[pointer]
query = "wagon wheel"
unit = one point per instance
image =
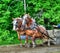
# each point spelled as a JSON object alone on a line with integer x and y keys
{"x": 54, "y": 27}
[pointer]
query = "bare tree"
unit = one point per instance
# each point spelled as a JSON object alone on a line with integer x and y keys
{"x": 25, "y": 6}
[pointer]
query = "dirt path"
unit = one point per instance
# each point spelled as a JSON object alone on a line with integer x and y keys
{"x": 17, "y": 49}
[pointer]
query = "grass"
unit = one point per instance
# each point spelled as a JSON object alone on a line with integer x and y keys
{"x": 16, "y": 41}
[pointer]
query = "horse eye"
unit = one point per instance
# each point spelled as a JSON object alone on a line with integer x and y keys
{"x": 16, "y": 22}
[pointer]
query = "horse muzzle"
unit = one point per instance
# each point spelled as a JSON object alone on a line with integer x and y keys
{"x": 15, "y": 29}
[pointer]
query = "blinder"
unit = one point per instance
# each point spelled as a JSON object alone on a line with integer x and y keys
{"x": 16, "y": 24}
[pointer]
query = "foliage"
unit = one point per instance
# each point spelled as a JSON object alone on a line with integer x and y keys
{"x": 38, "y": 9}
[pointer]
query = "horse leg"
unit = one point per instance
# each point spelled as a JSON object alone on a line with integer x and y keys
{"x": 26, "y": 41}
{"x": 49, "y": 42}
{"x": 33, "y": 41}
{"x": 48, "y": 39}
{"x": 20, "y": 43}
{"x": 19, "y": 38}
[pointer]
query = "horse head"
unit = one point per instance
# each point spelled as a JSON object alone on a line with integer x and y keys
{"x": 27, "y": 20}
{"x": 17, "y": 22}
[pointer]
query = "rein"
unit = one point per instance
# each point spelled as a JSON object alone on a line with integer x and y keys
{"x": 45, "y": 34}
{"x": 39, "y": 31}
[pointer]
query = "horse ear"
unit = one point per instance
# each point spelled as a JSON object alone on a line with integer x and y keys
{"x": 12, "y": 18}
{"x": 24, "y": 13}
{"x": 20, "y": 16}
{"x": 28, "y": 13}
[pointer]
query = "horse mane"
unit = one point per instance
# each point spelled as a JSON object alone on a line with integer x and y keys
{"x": 30, "y": 20}
{"x": 19, "y": 21}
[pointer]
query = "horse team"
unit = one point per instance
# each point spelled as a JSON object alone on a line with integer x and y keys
{"x": 27, "y": 26}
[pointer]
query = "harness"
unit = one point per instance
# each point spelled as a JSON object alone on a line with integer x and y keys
{"x": 34, "y": 26}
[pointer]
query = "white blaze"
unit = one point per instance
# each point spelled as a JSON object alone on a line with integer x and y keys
{"x": 24, "y": 17}
{"x": 14, "y": 25}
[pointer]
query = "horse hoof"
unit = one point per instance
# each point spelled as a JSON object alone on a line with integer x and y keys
{"x": 27, "y": 45}
{"x": 20, "y": 45}
{"x": 48, "y": 45}
{"x": 34, "y": 46}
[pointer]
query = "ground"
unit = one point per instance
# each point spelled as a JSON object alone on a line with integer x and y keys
{"x": 39, "y": 49}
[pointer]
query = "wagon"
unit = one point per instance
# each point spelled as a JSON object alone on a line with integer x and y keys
{"x": 56, "y": 33}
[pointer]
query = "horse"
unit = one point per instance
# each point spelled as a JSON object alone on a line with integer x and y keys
{"x": 29, "y": 23}
{"x": 17, "y": 25}
{"x": 17, "y": 22}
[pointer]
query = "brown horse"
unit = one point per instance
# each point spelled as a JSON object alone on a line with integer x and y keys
{"x": 41, "y": 33}
{"x": 28, "y": 22}
{"x": 17, "y": 22}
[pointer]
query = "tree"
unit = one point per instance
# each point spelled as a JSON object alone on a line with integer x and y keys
{"x": 38, "y": 9}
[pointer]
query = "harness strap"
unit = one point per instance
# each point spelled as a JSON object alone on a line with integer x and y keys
{"x": 46, "y": 34}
